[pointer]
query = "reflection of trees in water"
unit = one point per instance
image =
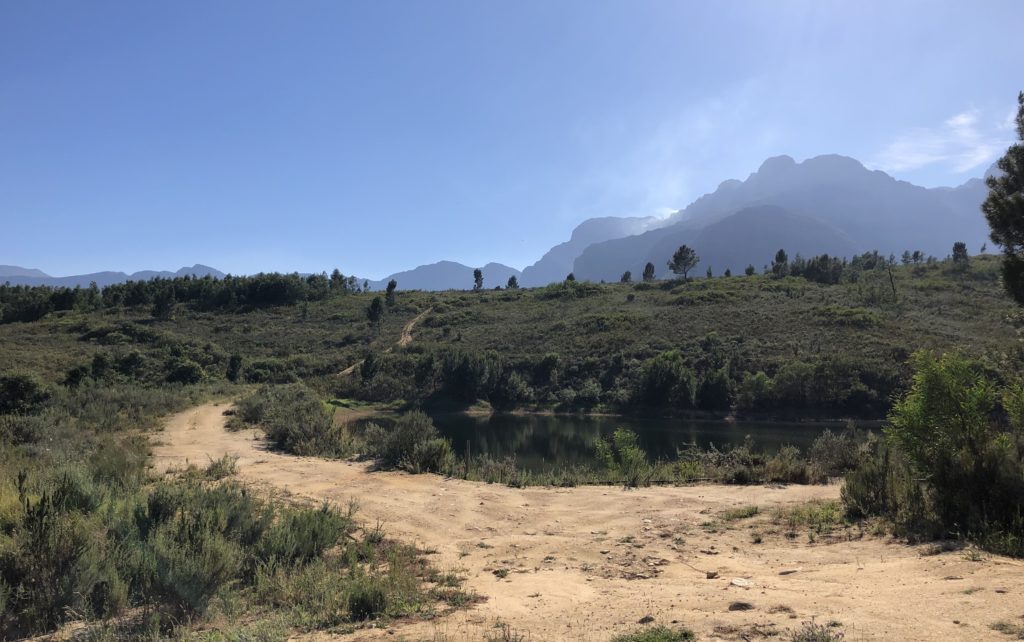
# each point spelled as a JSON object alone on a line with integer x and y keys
{"x": 539, "y": 441}
{"x": 528, "y": 437}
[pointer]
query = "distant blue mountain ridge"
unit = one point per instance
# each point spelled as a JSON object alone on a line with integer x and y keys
{"x": 826, "y": 204}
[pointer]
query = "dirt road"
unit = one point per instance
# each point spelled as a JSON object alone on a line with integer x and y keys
{"x": 588, "y": 563}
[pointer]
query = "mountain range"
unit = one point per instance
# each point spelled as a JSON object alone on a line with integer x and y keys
{"x": 24, "y": 276}
{"x": 826, "y": 204}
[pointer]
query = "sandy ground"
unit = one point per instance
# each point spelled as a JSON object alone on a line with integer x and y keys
{"x": 588, "y": 563}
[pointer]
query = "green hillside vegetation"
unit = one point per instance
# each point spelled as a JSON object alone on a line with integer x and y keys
{"x": 763, "y": 345}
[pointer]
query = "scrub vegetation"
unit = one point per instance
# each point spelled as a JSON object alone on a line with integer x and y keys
{"x": 88, "y": 533}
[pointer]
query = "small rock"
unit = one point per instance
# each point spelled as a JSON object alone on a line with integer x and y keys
{"x": 604, "y": 551}
{"x": 741, "y": 606}
{"x": 1000, "y": 590}
{"x": 789, "y": 571}
{"x": 741, "y": 582}
{"x": 712, "y": 575}
{"x": 647, "y": 619}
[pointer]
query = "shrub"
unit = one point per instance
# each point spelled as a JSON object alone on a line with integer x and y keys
{"x": 657, "y": 634}
{"x": 300, "y": 536}
{"x": 786, "y": 466}
{"x": 412, "y": 444}
{"x": 833, "y": 454}
{"x": 48, "y": 568}
{"x": 367, "y": 600}
{"x": 22, "y": 429}
{"x": 221, "y": 468}
{"x": 625, "y": 459}
{"x": 811, "y": 632}
{"x": 963, "y": 438}
{"x": 21, "y": 393}
{"x": 192, "y": 562}
{"x": 295, "y": 421}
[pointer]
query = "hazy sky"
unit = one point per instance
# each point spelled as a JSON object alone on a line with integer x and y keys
{"x": 379, "y": 135}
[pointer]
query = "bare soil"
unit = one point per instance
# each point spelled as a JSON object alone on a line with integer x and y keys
{"x": 588, "y": 563}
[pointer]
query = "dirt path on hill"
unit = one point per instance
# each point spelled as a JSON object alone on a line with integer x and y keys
{"x": 403, "y": 340}
{"x": 407, "y": 329}
{"x": 587, "y": 563}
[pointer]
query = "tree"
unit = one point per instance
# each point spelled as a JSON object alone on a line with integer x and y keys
{"x": 960, "y": 253}
{"x": 375, "y": 312}
{"x": 917, "y": 257}
{"x": 1004, "y": 210}
{"x": 727, "y": 272}
{"x": 570, "y": 277}
{"x": 478, "y": 279}
{"x": 649, "y": 272}
{"x": 750, "y": 270}
{"x": 906, "y": 258}
{"x": 710, "y": 274}
{"x": 163, "y": 306}
{"x": 684, "y": 260}
{"x": 780, "y": 265}
{"x": 234, "y": 367}
{"x": 627, "y": 277}
{"x": 338, "y": 282}
{"x": 513, "y": 283}
{"x": 390, "y": 293}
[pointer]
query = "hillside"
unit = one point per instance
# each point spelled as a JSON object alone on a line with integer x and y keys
{"x": 569, "y": 346}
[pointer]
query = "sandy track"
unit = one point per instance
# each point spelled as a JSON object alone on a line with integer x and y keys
{"x": 585, "y": 563}
{"x": 407, "y": 329}
{"x": 403, "y": 340}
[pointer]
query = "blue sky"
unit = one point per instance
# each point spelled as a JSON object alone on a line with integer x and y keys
{"x": 376, "y": 136}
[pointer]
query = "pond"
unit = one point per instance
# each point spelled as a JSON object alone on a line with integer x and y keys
{"x": 539, "y": 442}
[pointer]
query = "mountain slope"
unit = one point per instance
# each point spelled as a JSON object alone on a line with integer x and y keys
{"x": 447, "y": 275}
{"x": 869, "y": 208}
{"x": 14, "y": 270}
{"x": 558, "y": 261}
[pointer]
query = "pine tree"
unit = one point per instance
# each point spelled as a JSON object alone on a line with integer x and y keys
{"x": 684, "y": 260}
{"x": 649, "y": 272}
{"x": 1004, "y": 210}
{"x": 780, "y": 266}
{"x": 390, "y": 293}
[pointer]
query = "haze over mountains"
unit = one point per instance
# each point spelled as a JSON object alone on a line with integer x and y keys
{"x": 827, "y": 204}
{"x": 25, "y": 276}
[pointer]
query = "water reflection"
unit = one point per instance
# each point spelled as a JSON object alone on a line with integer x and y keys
{"x": 539, "y": 441}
